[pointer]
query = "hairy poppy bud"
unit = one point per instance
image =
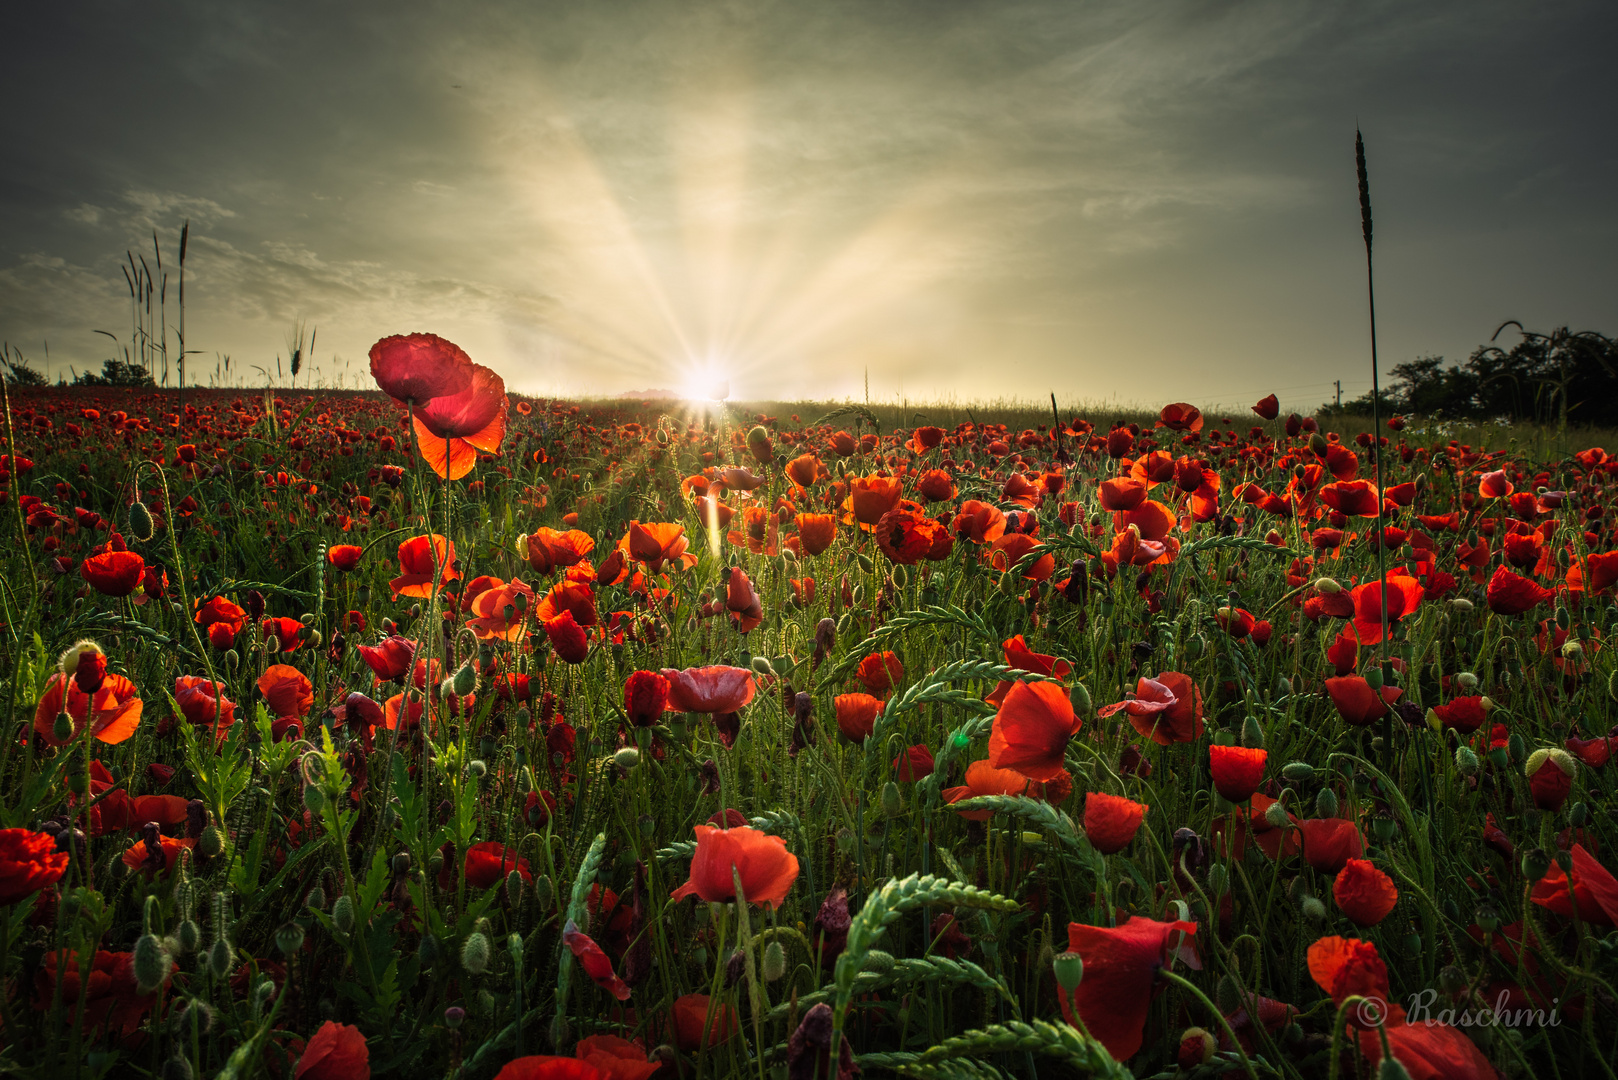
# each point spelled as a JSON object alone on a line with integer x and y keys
{"x": 477, "y": 768}
{"x": 62, "y": 727}
{"x": 1297, "y": 772}
{"x": 316, "y": 899}
{"x": 892, "y": 802}
{"x": 141, "y": 526}
{"x": 1517, "y": 746}
{"x": 289, "y": 938}
{"x": 1578, "y": 814}
{"x": 758, "y": 444}
{"x": 1276, "y": 815}
{"x": 900, "y": 575}
{"x": 1218, "y": 879}
{"x": 1461, "y": 605}
{"x": 475, "y": 953}
{"x": 427, "y": 951}
{"x": 1069, "y": 969}
{"x": 314, "y": 800}
{"x": 342, "y": 914}
{"x": 514, "y": 887}
{"x": 1079, "y": 696}
{"x": 761, "y": 665}
{"x": 151, "y": 963}
{"x": 221, "y": 958}
{"x": 178, "y": 1068}
{"x": 544, "y": 892}
{"x": 1466, "y": 681}
{"x": 211, "y": 844}
{"x": 1392, "y": 1069}
{"x": 1327, "y": 586}
{"x": 233, "y": 659}
{"x": 1252, "y": 734}
{"x": 775, "y": 962}
{"x": 626, "y": 758}
{"x": 1326, "y": 803}
{"x": 188, "y": 936}
{"x": 1313, "y": 909}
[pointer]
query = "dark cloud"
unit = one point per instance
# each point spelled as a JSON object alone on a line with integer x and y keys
{"x": 978, "y": 199}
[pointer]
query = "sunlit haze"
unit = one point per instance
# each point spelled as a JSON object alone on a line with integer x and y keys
{"x": 914, "y": 200}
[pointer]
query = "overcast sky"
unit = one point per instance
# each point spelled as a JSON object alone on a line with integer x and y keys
{"x": 1142, "y": 201}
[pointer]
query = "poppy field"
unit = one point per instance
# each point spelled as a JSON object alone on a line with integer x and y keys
{"x": 435, "y": 731}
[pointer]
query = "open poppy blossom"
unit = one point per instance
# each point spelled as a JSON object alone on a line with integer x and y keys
{"x": 417, "y": 557}
{"x": 501, "y": 612}
{"x": 816, "y": 532}
{"x": 870, "y": 497}
{"x": 1180, "y": 417}
{"x": 413, "y": 369}
{"x": 1120, "y": 978}
{"x": 766, "y": 868}
{"x": 549, "y": 550}
{"x": 286, "y": 690}
{"x": 1357, "y": 703}
{"x": 1403, "y": 595}
{"x": 983, "y": 778}
{"x": 29, "y": 862}
{"x": 713, "y": 689}
{"x": 1328, "y": 843}
{"x": 856, "y": 715}
{"x": 1237, "y": 771}
{"x": 880, "y": 672}
{"x": 546, "y": 1067}
{"x": 656, "y": 543}
{"x": 1594, "y": 890}
{"x": 1032, "y": 729}
{"x": 334, "y": 1052}
{"x": 1167, "y": 709}
{"x": 619, "y": 1058}
{"x": 112, "y": 711}
{"x": 1513, "y": 594}
{"x": 114, "y": 573}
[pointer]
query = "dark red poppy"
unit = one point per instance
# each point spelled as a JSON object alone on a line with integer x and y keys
{"x": 568, "y": 638}
{"x": 489, "y": 862}
{"x": 1594, "y": 890}
{"x": 646, "y": 695}
{"x": 286, "y": 690}
{"x": 880, "y": 672}
{"x": 1328, "y": 843}
{"x": 1513, "y": 594}
{"x": 1268, "y": 407}
{"x": 1403, "y": 595}
{"x": 390, "y": 658}
{"x": 1180, "y": 417}
{"x": 1364, "y": 893}
{"x": 714, "y": 689}
{"x": 693, "y": 1030}
{"x": 913, "y": 764}
{"x": 1111, "y": 821}
{"x": 1353, "y": 498}
{"x": 1167, "y": 709}
{"x": 1464, "y": 714}
{"x": 416, "y": 368}
{"x": 1120, "y": 978}
{"x": 546, "y": 1067}
{"x": 1357, "y": 703}
{"x": 1237, "y": 770}
{"x": 334, "y": 1052}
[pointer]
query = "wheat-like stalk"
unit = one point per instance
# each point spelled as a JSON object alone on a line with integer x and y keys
{"x": 1069, "y": 1044}
{"x": 923, "y": 969}
{"x": 953, "y": 1069}
{"x": 954, "y": 743}
{"x": 576, "y": 909}
{"x": 932, "y": 615}
{"x": 1250, "y": 544}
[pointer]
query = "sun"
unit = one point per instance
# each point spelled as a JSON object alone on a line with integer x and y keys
{"x": 706, "y": 383}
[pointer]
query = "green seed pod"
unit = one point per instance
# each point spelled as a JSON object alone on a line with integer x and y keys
{"x": 141, "y": 525}
{"x": 289, "y": 938}
{"x": 1079, "y": 696}
{"x": 1252, "y": 734}
{"x": 221, "y": 958}
{"x": 1326, "y": 803}
{"x": 1535, "y": 864}
{"x": 1195, "y": 646}
{"x": 1383, "y": 828}
{"x": 1224, "y": 737}
{"x": 1069, "y": 969}
{"x": 1451, "y": 979}
{"x": 151, "y": 963}
{"x": 775, "y": 962}
{"x": 1373, "y": 677}
{"x": 211, "y": 844}
{"x": 892, "y": 802}
{"x": 475, "y": 953}
{"x": 342, "y": 914}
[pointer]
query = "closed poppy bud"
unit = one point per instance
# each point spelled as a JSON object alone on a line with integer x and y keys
{"x": 316, "y": 900}
{"x": 1550, "y": 777}
{"x": 475, "y": 953}
{"x": 151, "y": 963}
{"x": 1326, "y": 803}
{"x": 1218, "y": 879}
{"x": 454, "y": 1017}
{"x": 1069, "y": 969}
{"x": 141, "y": 526}
{"x": 342, "y": 914}
{"x": 1313, "y": 909}
{"x": 1252, "y": 733}
{"x": 465, "y": 681}
{"x": 1392, "y": 1068}
{"x": 775, "y": 962}
{"x": 188, "y": 935}
{"x": 626, "y": 758}
{"x": 1578, "y": 814}
{"x": 62, "y": 727}
{"x": 1079, "y": 695}
{"x": 892, "y": 802}
{"x": 1197, "y": 1048}
{"x": 1298, "y": 772}
{"x": 221, "y": 958}
{"x": 1276, "y": 815}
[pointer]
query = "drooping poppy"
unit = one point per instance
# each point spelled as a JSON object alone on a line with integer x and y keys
{"x": 646, "y": 695}
{"x": 1357, "y": 703}
{"x": 417, "y": 556}
{"x": 112, "y": 711}
{"x": 856, "y": 715}
{"x": 1111, "y": 821}
{"x": 763, "y": 863}
{"x": 1120, "y": 978}
{"x": 1237, "y": 770}
{"x": 596, "y": 964}
{"x": 1031, "y": 730}
{"x": 569, "y": 640}
{"x": 713, "y": 689}
{"x": 1364, "y": 893}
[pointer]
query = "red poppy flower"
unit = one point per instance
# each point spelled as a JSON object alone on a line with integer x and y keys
{"x": 913, "y": 764}
{"x": 1328, "y": 843}
{"x": 1180, "y": 417}
{"x": 925, "y": 438}
{"x": 568, "y": 638}
{"x": 1032, "y": 729}
{"x": 489, "y": 862}
{"x": 334, "y": 1052}
{"x": 714, "y": 689}
{"x": 1237, "y": 770}
{"x": 1120, "y": 978}
{"x": 545, "y": 1067}
{"x": 870, "y": 497}
{"x": 1364, "y": 893}
{"x": 1268, "y": 408}
{"x": 1152, "y": 519}
{"x": 574, "y": 597}
{"x": 742, "y": 601}
{"x": 140, "y": 857}
{"x": 1550, "y": 777}
{"x": 1464, "y": 714}
{"x": 766, "y": 868}
{"x": 618, "y": 1058}
{"x": 1357, "y": 703}
{"x": 114, "y": 573}
{"x": 1018, "y": 655}
{"x": 856, "y": 715}
{"x": 816, "y": 532}
{"x": 1494, "y": 485}
{"x": 390, "y": 658}
{"x": 1594, "y": 890}
{"x": 451, "y": 429}
{"x": 29, "y": 862}
{"x": 112, "y": 711}
{"x": 880, "y": 672}
{"x": 1122, "y": 493}
{"x": 983, "y": 778}
{"x": 654, "y": 543}
{"x": 112, "y": 999}
{"x": 287, "y": 691}
{"x": 906, "y": 535}
{"x": 692, "y": 1029}
{"x": 416, "y": 558}
{"x": 416, "y": 368}
{"x": 549, "y": 550}
{"x": 595, "y": 963}
{"x": 646, "y": 695}
{"x": 1513, "y": 594}
{"x": 344, "y": 557}
{"x": 1167, "y": 709}
{"x": 1353, "y": 498}
{"x": 284, "y": 631}
{"x": 1346, "y": 967}
{"x": 1111, "y": 821}
{"x": 221, "y": 620}
{"x": 501, "y": 612}
{"x": 936, "y": 485}
{"x": 1404, "y": 594}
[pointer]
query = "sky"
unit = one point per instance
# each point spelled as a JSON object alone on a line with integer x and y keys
{"x": 921, "y": 201}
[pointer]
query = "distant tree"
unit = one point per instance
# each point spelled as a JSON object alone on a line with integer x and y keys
{"x": 116, "y": 373}
{"x": 18, "y": 371}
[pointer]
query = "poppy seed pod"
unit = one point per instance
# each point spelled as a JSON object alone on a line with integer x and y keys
{"x": 289, "y": 938}
{"x": 475, "y": 953}
{"x": 1535, "y": 864}
{"x": 1069, "y": 969}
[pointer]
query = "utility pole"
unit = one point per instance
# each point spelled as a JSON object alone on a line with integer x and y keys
{"x": 1339, "y": 393}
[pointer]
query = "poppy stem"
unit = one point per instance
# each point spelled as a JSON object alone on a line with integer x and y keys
{"x": 1186, "y": 984}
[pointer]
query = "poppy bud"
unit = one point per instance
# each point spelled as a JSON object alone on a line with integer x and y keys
{"x": 221, "y": 958}
{"x": 178, "y": 1068}
{"x": 289, "y": 938}
{"x": 1572, "y": 649}
{"x": 892, "y": 802}
{"x": 758, "y": 443}
{"x": 1326, "y": 803}
{"x": 1578, "y": 814}
{"x": 1318, "y": 444}
{"x": 1218, "y": 879}
{"x": 1227, "y": 995}
{"x": 1197, "y": 1048}
{"x": 1069, "y": 968}
{"x": 211, "y": 844}
{"x": 272, "y": 645}
{"x": 1517, "y": 747}
{"x": 316, "y": 899}
{"x": 427, "y": 952}
{"x": 233, "y": 660}
{"x": 188, "y": 936}
{"x": 1466, "y": 681}
{"x": 1276, "y": 815}
{"x": 1252, "y": 734}
{"x": 514, "y": 888}
{"x": 151, "y": 963}
{"x": 313, "y": 637}
{"x": 627, "y": 758}
{"x": 901, "y": 576}
{"x": 1461, "y": 605}
{"x": 314, "y": 800}
{"x": 1392, "y": 1069}
{"x": 1283, "y": 686}
{"x": 544, "y": 892}
{"x": 141, "y": 526}
{"x": 62, "y": 727}
{"x": 775, "y": 962}
{"x": 342, "y": 914}
{"x": 761, "y": 665}
{"x": 1535, "y": 864}
{"x": 475, "y": 953}
{"x": 1313, "y": 909}
{"x": 1563, "y": 619}
{"x": 1079, "y": 696}
{"x": 477, "y": 768}
{"x": 1327, "y": 586}
{"x": 1297, "y": 772}
{"x": 454, "y": 1017}
{"x": 865, "y": 562}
